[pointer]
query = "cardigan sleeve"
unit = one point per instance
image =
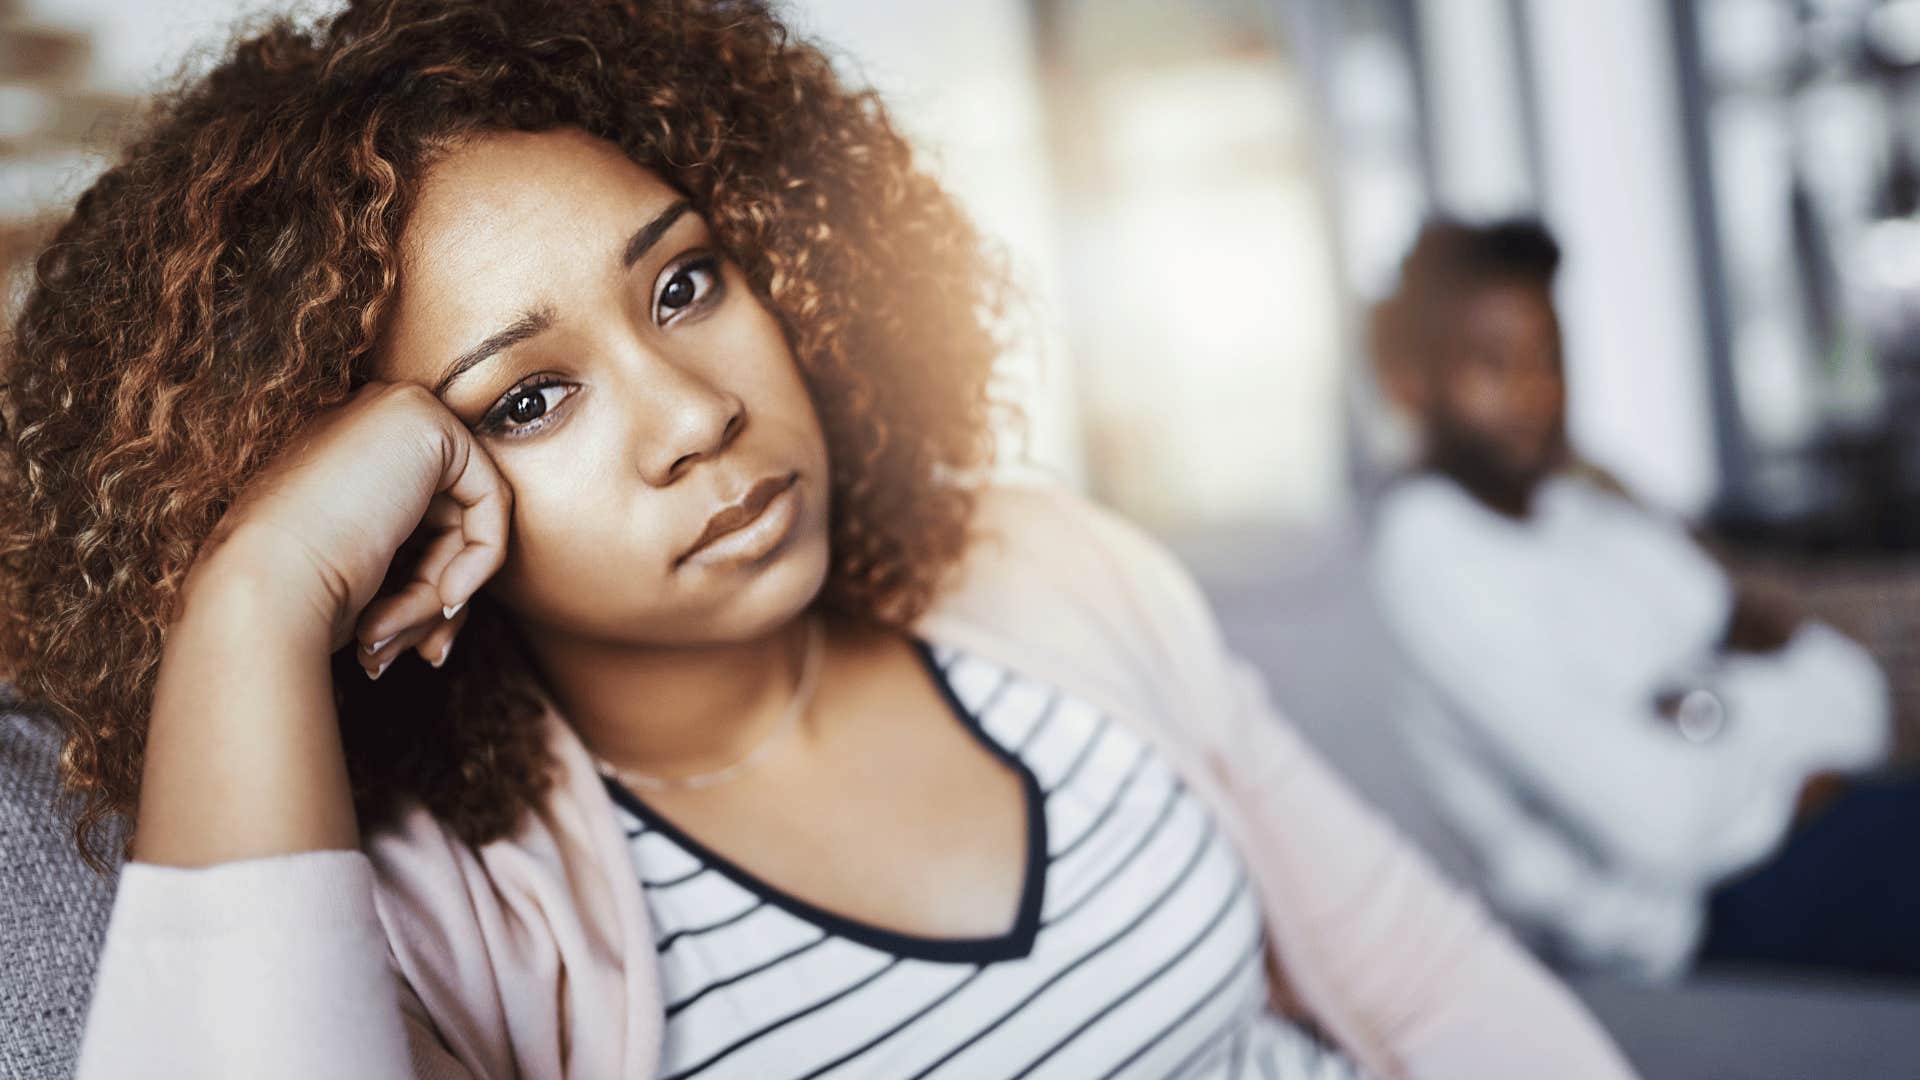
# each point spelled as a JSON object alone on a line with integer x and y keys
{"x": 431, "y": 1058}
{"x": 272, "y": 966}
{"x": 1401, "y": 964}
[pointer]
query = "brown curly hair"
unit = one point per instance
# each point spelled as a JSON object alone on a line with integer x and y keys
{"x": 226, "y": 278}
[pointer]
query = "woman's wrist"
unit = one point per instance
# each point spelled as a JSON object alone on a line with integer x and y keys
{"x": 251, "y": 587}
{"x": 243, "y": 752}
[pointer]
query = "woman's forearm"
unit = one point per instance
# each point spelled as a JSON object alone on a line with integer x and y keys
{"x": 243, "y": 754}
{"x": 219, "y": 961}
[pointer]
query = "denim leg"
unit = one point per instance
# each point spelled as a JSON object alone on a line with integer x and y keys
{"x": 1843, "y": 891}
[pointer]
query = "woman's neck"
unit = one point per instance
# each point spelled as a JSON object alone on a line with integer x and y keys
{"x": 671, "y": 710}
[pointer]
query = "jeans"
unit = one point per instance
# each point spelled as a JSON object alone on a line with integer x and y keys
{"x": 1843, "y": 892}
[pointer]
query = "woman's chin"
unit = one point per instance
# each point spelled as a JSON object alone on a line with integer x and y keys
{"x": 774, "y": 594}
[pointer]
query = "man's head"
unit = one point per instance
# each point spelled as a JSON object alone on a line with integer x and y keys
{"x": 1469, "y": 346}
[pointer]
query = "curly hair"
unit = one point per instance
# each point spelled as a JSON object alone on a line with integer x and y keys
{"x": 227, "y": 277}
{"x": 1449, "y": 260}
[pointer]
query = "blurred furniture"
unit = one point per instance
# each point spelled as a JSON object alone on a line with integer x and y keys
{"x": 1762, "y": 1027}
{"x": 53, "y": 909}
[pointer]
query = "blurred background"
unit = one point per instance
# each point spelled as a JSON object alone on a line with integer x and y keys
{"x": 1201, "y": 199}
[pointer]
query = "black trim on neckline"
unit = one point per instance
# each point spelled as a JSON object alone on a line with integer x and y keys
{"x": 1015, "y": 943}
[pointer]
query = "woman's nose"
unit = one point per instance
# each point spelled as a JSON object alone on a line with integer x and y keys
{"x": 692, "y": 419}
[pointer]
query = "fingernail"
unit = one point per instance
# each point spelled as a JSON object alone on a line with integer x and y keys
{"x": 444, "y": 650}
{"x": 450, "y": 612}
{"x": 379, "y": 671}
{"x": 378, "y": 645}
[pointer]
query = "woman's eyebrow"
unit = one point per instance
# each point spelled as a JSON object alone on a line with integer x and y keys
{"x": 649, "y": 234}
{"x": 527, "y": 325}
{"x": 533, "y": 322}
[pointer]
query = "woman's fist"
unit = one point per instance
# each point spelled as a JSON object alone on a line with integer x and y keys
{"x": 321, "y": 523}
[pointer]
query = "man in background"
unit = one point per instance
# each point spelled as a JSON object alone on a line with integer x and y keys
{"x": 1624, "y": 738}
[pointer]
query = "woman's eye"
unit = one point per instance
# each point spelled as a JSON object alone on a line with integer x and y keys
{"x": 522, "y": 410}
{"x": 686, "y": 286}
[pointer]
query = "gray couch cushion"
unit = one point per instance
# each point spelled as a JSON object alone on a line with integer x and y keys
{"x": 53, "y": 909}
{"x": 1763, "y": 1026}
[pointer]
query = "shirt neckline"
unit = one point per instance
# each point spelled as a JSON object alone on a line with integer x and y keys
{"x": 1017, "y": 941}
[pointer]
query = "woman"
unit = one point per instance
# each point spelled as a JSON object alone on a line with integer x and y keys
{"x": 617, "y": 363}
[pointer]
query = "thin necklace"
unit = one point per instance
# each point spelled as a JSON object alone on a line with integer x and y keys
{"x": 802, "y": 697}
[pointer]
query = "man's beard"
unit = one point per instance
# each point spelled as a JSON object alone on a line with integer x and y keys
{"x": 1474, "y": 464}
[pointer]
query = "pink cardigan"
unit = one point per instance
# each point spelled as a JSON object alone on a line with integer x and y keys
{"x": 532, "y": 956}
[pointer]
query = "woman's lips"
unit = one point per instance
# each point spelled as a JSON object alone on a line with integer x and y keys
{"x": 750, "y": 527}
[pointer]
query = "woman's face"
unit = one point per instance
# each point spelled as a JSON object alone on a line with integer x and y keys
{"x": 626, "y": 382}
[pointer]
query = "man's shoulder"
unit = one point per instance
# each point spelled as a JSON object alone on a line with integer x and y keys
{"x": 1419, "y": 507}
{"x": 1430, "y": 533}
{"x": 1421, "y": 492}
{"x": 1427, "y": 504}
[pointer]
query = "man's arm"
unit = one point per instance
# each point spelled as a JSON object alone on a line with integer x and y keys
{"x": 1582, "y": 733}
{"x": 1536, "y": 878}
{"x": 1821, "y": 697}
{"x": 1765, "y": 613}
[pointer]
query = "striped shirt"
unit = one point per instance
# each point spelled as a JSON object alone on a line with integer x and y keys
{"x": 1136, "y": 951}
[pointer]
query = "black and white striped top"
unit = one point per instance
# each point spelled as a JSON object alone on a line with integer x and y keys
{"x": 1136, "y": 952}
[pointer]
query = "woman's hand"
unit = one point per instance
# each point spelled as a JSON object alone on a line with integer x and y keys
{"x": 243, "y": 753}
{"x": 387, "y": 470}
